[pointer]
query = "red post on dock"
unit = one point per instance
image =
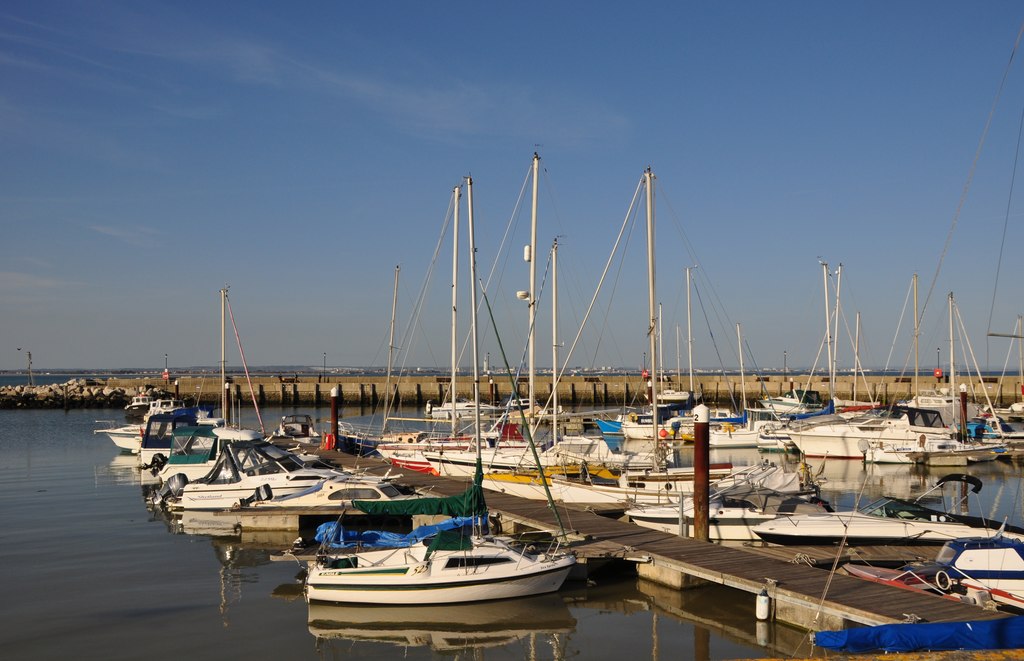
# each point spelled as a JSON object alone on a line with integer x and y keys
{"x": 701, "y": 475}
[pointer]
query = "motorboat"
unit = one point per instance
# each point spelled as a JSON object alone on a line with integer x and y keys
{"x": 156, "y": 439}
{"x": 296, "y": 428}
{"x": 887, "y": 520}
{"x": 129, "y": 437}
{"x": 195, "y": 449}
{"x": 333, "y": 492}
{"x": 242, "y": 468}
{"x": 137, "y": 408}
{"x": 976, "y": 570}
{"x": 455, "y": 561}
{"x": 732, "y": 513}
{"x": 458, "y": 409}
{"x": 836, "y": 437}
{"x": 982, "y": 568}
{"x": 794, "y": 401}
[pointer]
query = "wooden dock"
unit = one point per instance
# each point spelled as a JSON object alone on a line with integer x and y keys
{"x": 803, "y": 592}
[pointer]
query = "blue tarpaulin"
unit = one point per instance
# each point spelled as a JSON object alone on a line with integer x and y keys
{"x": 1001, "y": 634}
{"x": 338, "y": 537}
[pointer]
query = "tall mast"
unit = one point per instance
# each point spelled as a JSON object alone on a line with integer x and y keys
{"x": 828, "y": 323}
{"x": 689, "y": 332}
{"x": 533, "y": 288}
{"x": 856, "y": 357}
{"x": 472, "y": 310}
{"x": 554, "y": 341}
{"x": 223, "y": 366}
{"x": 917, "y": 334}
{"x": 391, "y": 350}
{"x": 743, "y": 380}
{"x": 835, "y": 334}
{"x": 456, "y": 195}
{"x": 653, "y": 324}
{"x": 952, "y": 357}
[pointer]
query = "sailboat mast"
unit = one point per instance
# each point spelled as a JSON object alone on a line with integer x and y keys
{"x": 856, "y": 356}
{"x": 531, "y": 397}
{"x": 743, "y": 379}
{"x": 917, "y": 337}
{"x": 689, "y": 331}
{"x": 952, "y": 356}
{"x": 473, "y": 321}
{"x": 223, "y": 352}
{"x": 456, "y": 195}
{"x": 828, "y": 322}
{"x": 835, "y": 334}
{"x": 554, "y": 341}
{"x": 652, "y": 327}
{"x": 391, "y": 350}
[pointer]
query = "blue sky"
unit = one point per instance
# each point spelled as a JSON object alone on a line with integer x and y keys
{"x": 154, "y": 152}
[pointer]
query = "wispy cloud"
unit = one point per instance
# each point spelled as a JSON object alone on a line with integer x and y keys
{"x": 136, "y": 236}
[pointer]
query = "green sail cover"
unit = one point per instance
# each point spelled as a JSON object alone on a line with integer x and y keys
{"x": 468, "y": 503}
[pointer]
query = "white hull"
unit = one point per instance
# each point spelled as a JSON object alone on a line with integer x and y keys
{"x": 732, "y": 524}
{"x": 406, "y": 576}
{"x": 736, "y": 438}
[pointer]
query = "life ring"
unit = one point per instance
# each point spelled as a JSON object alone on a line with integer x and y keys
{"x": 632, "y": 417}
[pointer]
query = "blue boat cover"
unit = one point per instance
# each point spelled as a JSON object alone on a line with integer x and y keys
{"x": 1006, "y": 633}
{"x": 338, "y": 537}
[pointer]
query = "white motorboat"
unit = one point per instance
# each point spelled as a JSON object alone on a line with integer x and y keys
{"x": 474, "y": 568}
{"x": 888, "y": 520}
{"x": 297, "y": 428}
{"x": 195, "y": 449}
{"x": 836, "y": 437}
{"x": 732, "y": 513}
{"x": 333, "y": 493}
{"x": 242, "y": 468}
{"x": 794, "y": 401}
{"x": 978, "y": 570}
{"x": 136, "y": 410}
{"x": 459, "y": 409}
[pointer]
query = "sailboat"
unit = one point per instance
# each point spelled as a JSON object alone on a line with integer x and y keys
{"x": 456, "y": 563}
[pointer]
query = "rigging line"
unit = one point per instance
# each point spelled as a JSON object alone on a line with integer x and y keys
{"x": 522, "y": 416}
{"x": 1006, "y": 222}
{"x": 241, "y": 352}
{"x": 700, "y": 301}
{"x": 971, "y": 171}
{"x": 899, "y": 324}
{"x": 604, "y": 274}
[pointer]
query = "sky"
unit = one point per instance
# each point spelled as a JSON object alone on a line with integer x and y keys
{"x": 154, "y": 153}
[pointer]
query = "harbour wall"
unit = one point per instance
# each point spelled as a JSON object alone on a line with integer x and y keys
{"x": 368, "y": 391}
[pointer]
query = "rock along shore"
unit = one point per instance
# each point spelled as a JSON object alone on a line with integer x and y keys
{"x": 73, "y": 394}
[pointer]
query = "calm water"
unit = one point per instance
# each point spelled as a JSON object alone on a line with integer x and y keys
{"x": 90, "y": 572}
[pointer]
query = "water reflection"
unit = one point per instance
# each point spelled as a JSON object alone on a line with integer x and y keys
{"x": 446, "y": 628}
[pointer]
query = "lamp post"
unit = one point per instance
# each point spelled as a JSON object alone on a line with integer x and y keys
{"x": 324, "y": 372}
{"x": 29, "y": 355}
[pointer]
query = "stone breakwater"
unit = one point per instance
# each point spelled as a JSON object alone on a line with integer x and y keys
{"x": 73, "y": 394}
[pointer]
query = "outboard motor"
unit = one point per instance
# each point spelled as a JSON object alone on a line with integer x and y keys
{"x": 155, "y": 466}
{"x": 171, "y": 488}
{"x": 262, "y": 492}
